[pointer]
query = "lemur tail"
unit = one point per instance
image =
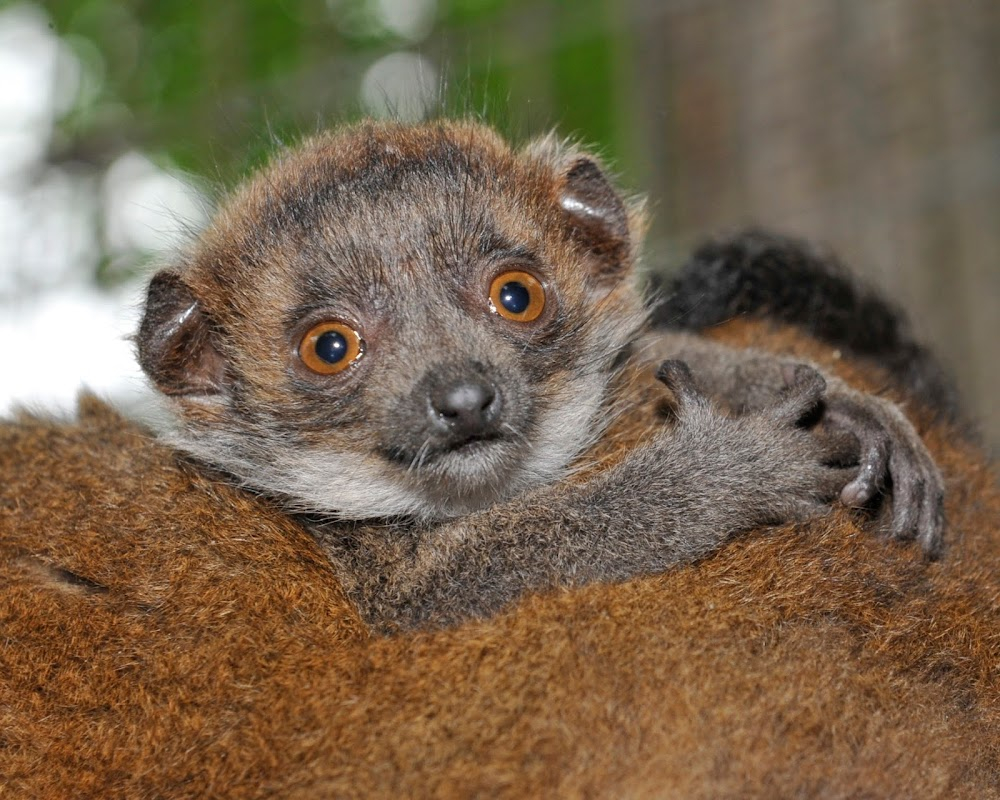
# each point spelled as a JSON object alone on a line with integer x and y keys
{"x": 765, "y": 275}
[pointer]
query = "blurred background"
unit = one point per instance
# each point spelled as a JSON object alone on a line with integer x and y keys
{"x": 870, "y": 125}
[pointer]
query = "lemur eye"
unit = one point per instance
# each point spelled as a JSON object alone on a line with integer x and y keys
{"x": 517, "y": 295}
{"x": 330, "y": 347}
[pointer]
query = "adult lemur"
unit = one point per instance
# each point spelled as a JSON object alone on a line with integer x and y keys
{"x": 427, "y": 345}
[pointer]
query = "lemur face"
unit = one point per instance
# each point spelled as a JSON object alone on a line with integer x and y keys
{"x": 399, "y": 321}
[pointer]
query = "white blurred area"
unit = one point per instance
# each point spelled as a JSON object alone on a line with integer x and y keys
{"x": 400, "y": 84}
{"x": 58, "y": 332}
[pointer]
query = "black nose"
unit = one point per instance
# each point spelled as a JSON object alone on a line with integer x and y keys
{"x": 467, "y": 406}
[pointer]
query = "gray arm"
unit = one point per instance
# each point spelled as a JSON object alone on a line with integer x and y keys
{"x": 672, "y": 500}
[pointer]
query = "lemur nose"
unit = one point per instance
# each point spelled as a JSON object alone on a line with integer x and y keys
{"x": 467, "y": 406}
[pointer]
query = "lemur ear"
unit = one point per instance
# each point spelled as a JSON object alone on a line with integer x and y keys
{"x": 598, "y": 218}
{"x": 175, "y": 340}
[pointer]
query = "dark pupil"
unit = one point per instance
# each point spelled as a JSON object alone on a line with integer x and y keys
{"x": 514, "y": 297}
{"x": 331, "y": 347}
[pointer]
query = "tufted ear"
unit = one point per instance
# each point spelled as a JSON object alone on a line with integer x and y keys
{"x": 598, "y": 218}
{"x": 176, "y": 341}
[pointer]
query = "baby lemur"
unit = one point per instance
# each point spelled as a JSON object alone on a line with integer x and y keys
{"x": 430, "y": 347}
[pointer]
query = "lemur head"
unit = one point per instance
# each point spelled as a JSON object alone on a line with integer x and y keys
{"x": 400, "y": 320}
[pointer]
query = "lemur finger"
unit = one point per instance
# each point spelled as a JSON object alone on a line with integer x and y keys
{"x": 872, "y": 469}
{"x": 677, "y": 377}
{"x": 931, "y": 529}
{"x": 924, "y": 520}
{"x": 804, "y": 390}
{"x": 907, "y": 500}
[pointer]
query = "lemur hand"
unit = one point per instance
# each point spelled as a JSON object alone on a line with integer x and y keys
{"x": 892, "y": 461}
{"x": 766, "y": 468}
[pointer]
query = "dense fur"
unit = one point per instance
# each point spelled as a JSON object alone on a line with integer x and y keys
{"x": 450, "y": 465}
{"x": 165, "y": 635}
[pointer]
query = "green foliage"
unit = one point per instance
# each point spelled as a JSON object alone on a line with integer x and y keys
{"x": 213, "y": 85}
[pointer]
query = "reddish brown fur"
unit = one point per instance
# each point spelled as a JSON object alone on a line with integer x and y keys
{"x": 205, "y": 650}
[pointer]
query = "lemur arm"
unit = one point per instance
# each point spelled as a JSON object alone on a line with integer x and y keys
{"x": 673, "y": 500}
